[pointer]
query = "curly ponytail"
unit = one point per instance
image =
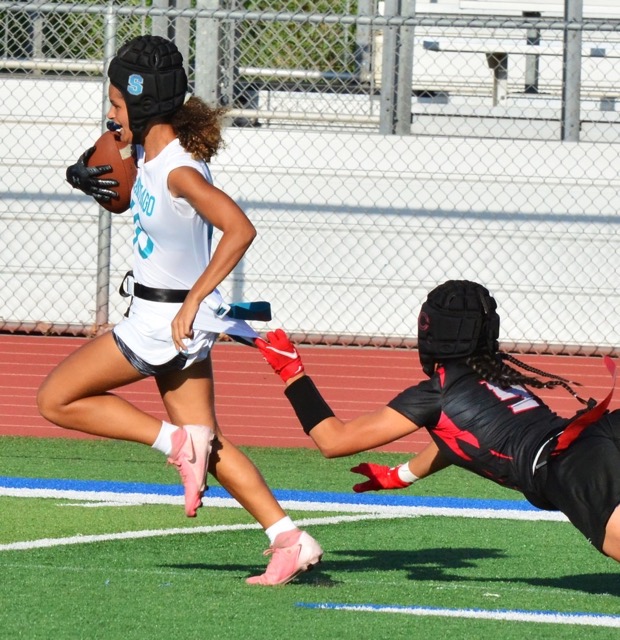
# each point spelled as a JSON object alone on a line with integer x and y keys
{"x": 199, "y": 128}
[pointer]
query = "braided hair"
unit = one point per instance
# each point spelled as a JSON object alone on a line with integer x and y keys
{"x": 459, "y": 322}
{"x": 492, "y": 367}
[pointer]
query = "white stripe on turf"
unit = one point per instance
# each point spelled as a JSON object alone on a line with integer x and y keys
{"x": 104, "y": 498}
{"x": 156, "y": 533}
{"x": 552, "y": 617}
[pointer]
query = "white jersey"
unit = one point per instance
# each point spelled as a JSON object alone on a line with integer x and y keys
{"x": 172, "y": 242}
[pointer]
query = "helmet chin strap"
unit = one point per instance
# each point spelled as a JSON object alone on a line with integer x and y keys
{"x": 137, "y": 134}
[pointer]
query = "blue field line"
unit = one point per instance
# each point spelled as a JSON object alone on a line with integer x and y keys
{"x": 390, "y": 500}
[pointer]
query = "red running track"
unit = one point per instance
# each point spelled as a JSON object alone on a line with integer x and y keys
{"x": 251, "y": 406}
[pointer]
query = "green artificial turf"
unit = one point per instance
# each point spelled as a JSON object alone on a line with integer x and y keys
{"x": 303, "y": 469}
{"x": 192, "y": 585}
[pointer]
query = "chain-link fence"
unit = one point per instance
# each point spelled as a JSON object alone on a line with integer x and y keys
{"x": 379, "y": 148}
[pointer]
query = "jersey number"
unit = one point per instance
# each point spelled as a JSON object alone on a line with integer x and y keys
{"x": 524, "y": 401}
{"x": 144, "y": 242}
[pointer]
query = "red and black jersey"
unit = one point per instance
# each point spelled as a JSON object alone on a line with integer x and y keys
{"x": 491, "y": 431}
{"x": 497, "y": 433}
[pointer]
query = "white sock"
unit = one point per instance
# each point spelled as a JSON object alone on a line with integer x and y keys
{"x": 163, "y": 442}
{"x": 285, "y": 524}
{"x": 405, "y": 474}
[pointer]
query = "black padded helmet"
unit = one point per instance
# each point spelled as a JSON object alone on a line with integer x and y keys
{"x": 458, "y": 319}
{"x": 148, "y": 71}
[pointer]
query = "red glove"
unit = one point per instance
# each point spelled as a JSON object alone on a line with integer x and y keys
{"x": 379, "y": 477}
{"x": 281, "y": 354}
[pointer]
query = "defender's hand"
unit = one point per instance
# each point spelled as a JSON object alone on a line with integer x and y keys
{"x": 87, "y": 178}
{"x": 281, "y": 354}
{"x": 379, "y": 477}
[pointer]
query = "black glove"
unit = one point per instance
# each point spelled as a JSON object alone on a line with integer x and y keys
{"x": 87, "y": 179}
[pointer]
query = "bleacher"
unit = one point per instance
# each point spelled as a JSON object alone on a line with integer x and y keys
{"x": 597, "y": 9}
{"x": 467, "y": 78}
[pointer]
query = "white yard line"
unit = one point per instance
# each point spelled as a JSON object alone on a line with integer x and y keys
{"x": 550, "y": 617}
{"x": 158, "y": 533}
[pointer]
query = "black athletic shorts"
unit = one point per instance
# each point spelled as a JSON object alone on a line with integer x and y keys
{"x": 584, "y": 481}
{"x": 146, "y": 369}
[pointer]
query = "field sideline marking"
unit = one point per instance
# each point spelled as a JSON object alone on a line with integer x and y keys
{"x": 127, "y": 493}
{"x": 366, "y": 507}
{"x": 550, "y": 617}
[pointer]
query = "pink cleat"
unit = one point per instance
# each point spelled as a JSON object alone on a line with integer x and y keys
{"x": 191, "y": 446}
{"x": 293, "y": 552}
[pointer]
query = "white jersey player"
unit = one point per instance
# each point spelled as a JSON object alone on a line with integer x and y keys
{"x": 176, "y": 313}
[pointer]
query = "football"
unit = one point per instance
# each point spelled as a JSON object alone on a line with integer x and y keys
{"x": 110, "y": 150}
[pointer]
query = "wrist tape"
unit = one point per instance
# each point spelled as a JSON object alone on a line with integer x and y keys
{"x": 405, "y": 475}
{"x": 308, "y": 403}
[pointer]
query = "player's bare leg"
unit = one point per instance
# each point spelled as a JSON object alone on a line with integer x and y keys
{"x": 76, "y": 394}
{"x": 189, "y": 397}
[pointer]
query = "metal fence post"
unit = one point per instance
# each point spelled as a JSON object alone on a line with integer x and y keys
{"x": 571, "y": 81}
{"x": 38, "y": 27}
{"x": 207, "y": 54}
{"x": 182, "y": 32}
{"x": 104, "y": 238}
{"x": 532, "y": 61}
{"x": 160, "y": 22}
{"x": 363, "y": 42}
{"x": 405, "y": 71}
{"x": 177, "y": 28}
{"x": 387, "y": 118}
{"x": 397, "y": 71}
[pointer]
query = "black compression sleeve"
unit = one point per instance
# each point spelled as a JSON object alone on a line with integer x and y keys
{"x": 308, "y": 403}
